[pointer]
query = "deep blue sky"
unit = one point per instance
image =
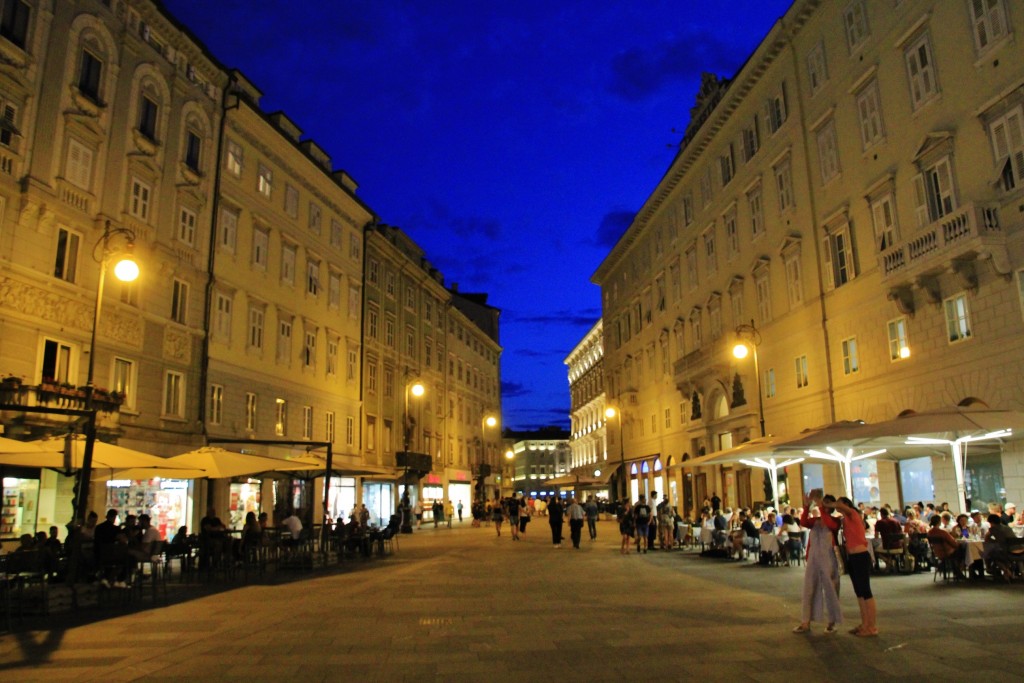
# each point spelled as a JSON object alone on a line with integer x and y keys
{"x": 513, "y": 141}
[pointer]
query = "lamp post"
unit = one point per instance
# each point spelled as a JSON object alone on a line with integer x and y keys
{"x": 487, "y": 421}
{"x": 416, "y": 389}
{"x": 609, "y": 413}
{"x": 749, "y": 339}
{"x": 125, "y": 270}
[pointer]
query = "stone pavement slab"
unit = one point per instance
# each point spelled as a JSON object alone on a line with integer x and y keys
{"x": 463, "y": 604}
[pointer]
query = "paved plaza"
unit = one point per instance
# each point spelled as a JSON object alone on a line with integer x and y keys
{"x": 464, "y": 605}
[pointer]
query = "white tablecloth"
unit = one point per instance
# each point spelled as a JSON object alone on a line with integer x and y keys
{"x": 769, "y": 543}
{"x": 705, "y": 536}
{"x": 974, "y": 551}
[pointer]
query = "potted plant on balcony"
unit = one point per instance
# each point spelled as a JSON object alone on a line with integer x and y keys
{"x": 11, "y": 382}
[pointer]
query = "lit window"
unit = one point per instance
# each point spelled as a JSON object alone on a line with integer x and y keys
{"x": 264, "y": 181}
{"x": 802, "y": 379}
{"x": 187, "y": 226}
{"x": 216, "y": 404}
{"x": 280, "y": 417}
{"x": 851, "y": 363}
{"x": 234, "y": 158}
{"x": 958, "y": 321}
{"x": 899, "y": 347}
{"x": 174, "y": 394}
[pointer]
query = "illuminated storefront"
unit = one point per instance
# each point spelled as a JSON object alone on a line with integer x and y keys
{"x": 20, "y": 506}
{"x": 243, "y": 498}
{"x": 168, "y": 502}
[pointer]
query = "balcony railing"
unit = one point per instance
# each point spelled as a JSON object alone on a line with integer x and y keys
{"x": 65, "y": 396}
{"x": 970, "y": 230}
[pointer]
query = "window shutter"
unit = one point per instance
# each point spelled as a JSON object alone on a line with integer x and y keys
{"x": 920, "y": 202}
{"x": 1015, "y": 139}
{"x": 881, "y": 229}
{"x": 826, "y": 254}
{"x": 944, "y": 178}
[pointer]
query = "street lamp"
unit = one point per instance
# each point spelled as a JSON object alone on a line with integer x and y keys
{"x": 749, "y": 340}
{"x": 609, "y": 413}
{"x": 415, "y": 389}
{"x": 126, "y": 270}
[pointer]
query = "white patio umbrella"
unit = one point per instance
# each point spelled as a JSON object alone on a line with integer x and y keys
{"x": 13, "y": 446}
{"x": 761, "y": 453}
{"x": 64, "y": 453}
{"x": 220, "y": 463}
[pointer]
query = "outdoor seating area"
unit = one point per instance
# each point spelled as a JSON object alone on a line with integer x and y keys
{"x": 35, "y": 584}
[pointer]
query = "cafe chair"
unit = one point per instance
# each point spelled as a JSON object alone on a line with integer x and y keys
{"x": 154, "y": 571}
{"x": 795, "y": 547}
{"x": 942, "y": 566}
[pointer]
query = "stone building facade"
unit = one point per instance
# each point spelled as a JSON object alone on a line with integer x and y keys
{"x": 854, "y": 194}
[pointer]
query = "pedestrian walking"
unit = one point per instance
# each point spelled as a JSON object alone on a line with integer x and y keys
{"x": 576, "y": 516}
{"x": 555, "y": 512}
{"x": 512, "y": 505}
{"x": 459, "y": 509}
{"x": 524, "y": 514}
{"x": 591, "y": 511}
{"x": 417, "y": 510}
{"x": 642, "y": 522}
{"x": 497, "y": 514}
{"x": 449, "y": 512}
{"x": 858, "y": 563}
{"x": 822, "y": 568}
{"x": 626, "y": 527}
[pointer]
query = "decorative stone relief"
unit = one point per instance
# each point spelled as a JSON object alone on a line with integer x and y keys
{"x": 177, "y": 345}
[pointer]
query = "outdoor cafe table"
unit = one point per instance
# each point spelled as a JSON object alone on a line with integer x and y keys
{"x": 974, "y": 551}
{"x": 769, "y": 542}
{"x": 706, "y": 536}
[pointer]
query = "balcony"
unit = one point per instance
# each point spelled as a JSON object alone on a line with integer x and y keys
{"x": 971, "y": 232}
{"x": 58, "y": 396}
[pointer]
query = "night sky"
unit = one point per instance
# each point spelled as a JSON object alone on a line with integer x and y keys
{"x": 512, "y": 141}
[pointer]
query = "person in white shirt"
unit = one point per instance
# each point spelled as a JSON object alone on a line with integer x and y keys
{"x": 294, "y": 526}
{"x": 148, "y": 536}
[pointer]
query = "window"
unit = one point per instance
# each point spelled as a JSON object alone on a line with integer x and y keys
{"x": 288, "y": 264}
{"x": 350, "y": 365}
{"x": 989, "y": 22}
{"x": 715, "y": 318}
{"x": 801, "y": 372}
{"x": 250, "y": 412}
{"x": 307, "y": 422}
{"x": 389, "y": 382}
{"x": 234, "y": 159}
{"x": 332, "y": 356}
{"x": 354, "y": 300}
{"x": 883, "y": 217}
{"x": 372, "y": 322}
{"x": 763, "y": 290}
{"x": 227, "y": 229}
{"x": 1007, "y": 134}
{"x": 78, "y": 167}
{"x": 280, "y": 417}
{"x": 751, "y": 140}
{"x": 284, "y": 342}
{"x": 371, "y": 433}
{"x": 179, "y": 301}
{"x": 338, "y": 236}
{"x": 837, "y": 252}
{"x": 350, "y": 430}
{"x": 696, "y": 329}
{"x": 138, "y": 202}
{"x": 65, "y": 265}
{"x": 355, "y": 247}
{"x": 794, "y": 281}
{"x": 869, "y": 111}
{"x": 688, "y": 209}
{"x": 784, "y": 184}
{"x": 899, "y": 347}
{"x": 193, "y": 150}
{"x": 958, "y": 321}
{"x": 705, "y": 187}
{"x": 222, "y": 317}
{"x": 264, "y": 181}
{"x": 216, "y": 412}
{"x": 855, "y": 21}
{"x": 60, "y": 360}
{"x": 709, "y": 249}
{"x": 933, "y": 192}
{"x": 309, "y": 349}
{"x": 373, "y": 271}
{"x": 14, "y": 22}
{"x": 148, "y": 109}
{"x": 123, "y": 381}
{"x": 291, "y": 201}
{"x": 828, "y": 151}
{"x": 256, "y": 318}
{"x": 90, "y": 75}
{"x": 769, "y": 383}
{"x": 174, "y": 395}
{"x": 668, "y": 418}
{"x": 329, "y": 434}
{"x": 371, "y": 377}
{"x": 314, "y": 218}
{"x": 756, "y": 217}
{"x": 129, "y": 293}
{"x": 921, "y": 71}
{"x": 389, "y": 331}
{"x": 851, "y": 364}
{"x": 727, "y": 165}
{"x": 775, "y": 110}
{"x": 390, "y": 284}
{"x": 312, "y": 277}
{"x": 817, "y": 71}
{"x": 260, "y": 248}
{"x": 691, "y": 267}
{"x": 187, "y": 226}
{"x": 333, "y": 289}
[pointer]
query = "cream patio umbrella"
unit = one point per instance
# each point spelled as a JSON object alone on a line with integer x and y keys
{"x": 65, "y": 453}
{"x": 13, "y": 446}
{"x": 220, "y": 463}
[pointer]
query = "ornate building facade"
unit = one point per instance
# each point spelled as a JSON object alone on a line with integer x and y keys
{"x": 852, "y": 197}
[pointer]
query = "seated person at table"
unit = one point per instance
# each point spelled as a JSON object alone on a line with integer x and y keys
{"x": 1009, "y": 515}
{"x": 945, "y": 546}
{"x": 997, "y": 553}
{"x": 181, "y": 537}
{"x": 887, "y": 530}
{"x": 294, "y": 526}
{"x": 142, "y": 548}
{"x": 979, "y": 525}
{"x": 212, "y": 537}
{"x": 914, "y": 524}
{"x": 962, "y": 528}
{"x": 252, "y": 532}
{"x": 746, "y": 537}
{"x": 721, "y": 526}
{"x": 769, "y": 525}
